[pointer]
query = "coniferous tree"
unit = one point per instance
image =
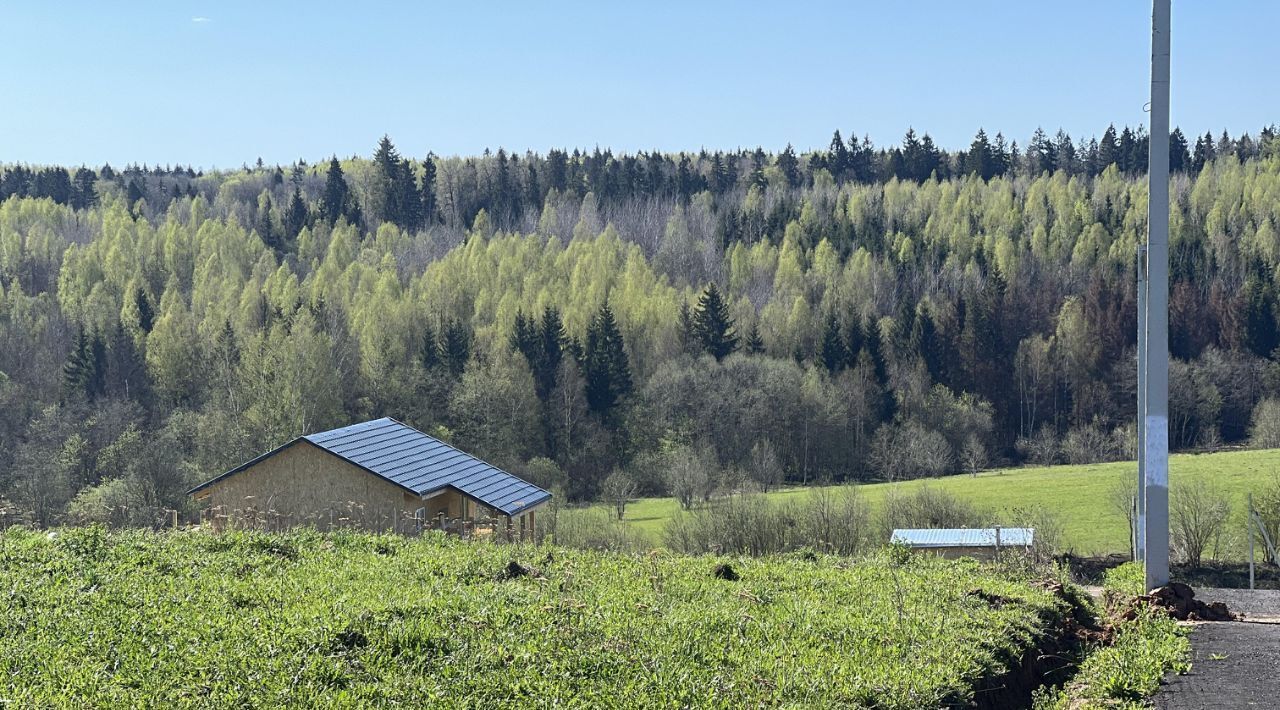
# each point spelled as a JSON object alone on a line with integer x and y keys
{"x": 605, "y": 369}
{"x": 712, "y": 324}
{"x": 146, "y": 315}
{"x": 551, "y": 352}
{"x": 456, "y": 347}
{"x": 337, "y": 200}
{"x": 84, "y": 373}
{"x": 834, "y": 356}
{"x": 428, "y": 349}
{"x": 1179, "y": 156}
{"x": 295, "y": 218}
{"x": 83, "y": 194}
{"x": 427, "y": 192}
{"x": 755, "y": 343}
{"x": 126, "y": 373}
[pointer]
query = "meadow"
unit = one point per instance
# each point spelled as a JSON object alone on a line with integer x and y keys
{"x": 1081, "y": 497}
{"x": 304, "y": 619}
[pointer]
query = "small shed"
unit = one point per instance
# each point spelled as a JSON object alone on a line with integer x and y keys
{"x": 376, "y": 475}
{"x": 981, "y": 543}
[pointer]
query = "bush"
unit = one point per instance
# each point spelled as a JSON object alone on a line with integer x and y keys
{"x": 544, "y": 473}
{"x": 927, "y": 507}
{"x": 594, "y": 528}
{"x": 617, "y": 490}
{"x": 1264, "y": 430}
{"x": 1266, "y": 502}
{"x": 834, "y": 520}
{"x": 909, "y": 450}
{"x": 1040, "y": 448}
{"x": 691, "y": 475}
{"x": 1198, "y": 512}
{"x": 1086, "y": 444}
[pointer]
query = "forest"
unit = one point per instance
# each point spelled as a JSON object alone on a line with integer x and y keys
{"x": 650, "y": 323}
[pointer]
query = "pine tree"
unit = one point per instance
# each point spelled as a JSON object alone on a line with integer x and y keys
{"x": 834, "y": 356}
{"x": 427, "y": 192}
{"x": 428, "y": 349}
{"x": 755, "y": 343}
{"x": 605, "y": 368}
{"x": 552, "y": 336}
{"x": 295, "y": 218}
{"x": 712, "y": 324}
{"x": 978, "y": 160}
{"x": 84, "y": 372}
{"x": 456, "y": 347}
{"x": 337, "y": 200}
{"x": 146, "y": 315}
{"x": 1179, "y": 156}
{"x": 790, "y": 166}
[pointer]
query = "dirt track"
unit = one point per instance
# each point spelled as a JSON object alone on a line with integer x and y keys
{"x": 1234, "y": 664}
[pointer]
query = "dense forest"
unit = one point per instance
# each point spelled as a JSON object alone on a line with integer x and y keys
{"x": 648, "y": 322}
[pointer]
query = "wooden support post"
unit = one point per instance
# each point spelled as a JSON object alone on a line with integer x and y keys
{"x": 1249, "y": 518}
{"x": 175, "y": 519}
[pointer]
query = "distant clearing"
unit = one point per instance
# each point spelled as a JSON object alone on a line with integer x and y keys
{"x": 1081, "y": 496}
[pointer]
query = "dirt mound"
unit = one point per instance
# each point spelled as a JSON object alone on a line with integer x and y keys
{"x": 515, "y": 570}
{"x": 726, "y": 571}
{"x": 1180, "y": 601}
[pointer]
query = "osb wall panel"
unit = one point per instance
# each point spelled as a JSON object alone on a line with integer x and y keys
{"x": 304, "y": 485}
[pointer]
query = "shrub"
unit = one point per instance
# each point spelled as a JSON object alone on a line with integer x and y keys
{"x": 1198, "y": 512}
{"x": 764, "y": 469}
{"x": 690, "y": 475}
{"x": 617, "y": 490}
{"x": 1264, "y": 430}
{"x": 1086, "y": 444}
{"x": 834, "y": 520}
{"x": 594, "y": 528}
{"x": 927, "y": 507}
{"x": 544, "y": 473}
{"x": 1040, "y": 448}
{"x": 909, "y": 450}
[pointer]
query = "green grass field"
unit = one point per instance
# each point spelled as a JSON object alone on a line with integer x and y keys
{"x": 196, "y": 619}
{"x": 1081, "y": 496}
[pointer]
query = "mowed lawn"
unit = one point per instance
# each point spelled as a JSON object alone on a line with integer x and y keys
{"x": 1081, "y": 496}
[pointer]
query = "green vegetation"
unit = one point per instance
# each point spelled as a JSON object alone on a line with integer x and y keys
{"x": 1082, "y": 498}
{"x": 1144, "y": 648}
{"x": 139, "y": 619}
{"x": 848, "y": 314}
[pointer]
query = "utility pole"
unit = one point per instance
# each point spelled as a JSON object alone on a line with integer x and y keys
{"x": 1156, "y": 417}
{"x": 1140, "y": 514}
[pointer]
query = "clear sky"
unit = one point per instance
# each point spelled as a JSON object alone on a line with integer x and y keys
{"x": 220, "y": 83}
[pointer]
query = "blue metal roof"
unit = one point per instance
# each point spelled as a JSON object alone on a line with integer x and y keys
{"x": 963, "y": 537}
{"x": 419, "y": 464}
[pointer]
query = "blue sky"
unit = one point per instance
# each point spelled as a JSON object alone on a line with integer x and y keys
{"x": 222, "y": 83}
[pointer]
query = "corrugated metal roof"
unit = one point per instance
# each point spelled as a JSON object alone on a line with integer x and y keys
{"x": 418, "y": 463}
{"x": 963, "y": 537}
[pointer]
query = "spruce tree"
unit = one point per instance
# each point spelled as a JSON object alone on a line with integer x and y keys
{"x": 605, "y": 368}
{"x": 146, "y": 315}
{"x": 337, "y": 200}
{"x": 456, "y": 347}
{"x": 712, "y": 324}
{"x": 84, "y": 372}
{"x": 295, "y": 218}
{"x": 551, "y": 352}
{"x": 755, "y": 343}
{"x": 427, "y": 192}
{"x": 833, "y": 353}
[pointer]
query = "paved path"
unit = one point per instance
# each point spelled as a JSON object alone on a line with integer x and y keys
{"x": 1233, "y": 664}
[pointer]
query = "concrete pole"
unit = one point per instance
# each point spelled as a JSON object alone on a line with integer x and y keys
{"x": 1140, "y": 512}
{"x": 1156, "y": 455}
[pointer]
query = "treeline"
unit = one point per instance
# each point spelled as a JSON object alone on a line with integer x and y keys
{"x": 166, "y": 325}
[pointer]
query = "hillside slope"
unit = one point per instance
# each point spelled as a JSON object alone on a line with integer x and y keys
{"x": 1080, "y": 496}
{"x": 195, "y": 619}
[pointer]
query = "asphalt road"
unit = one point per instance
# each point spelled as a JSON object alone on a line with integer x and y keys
{"x": 1233, "y": 664}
